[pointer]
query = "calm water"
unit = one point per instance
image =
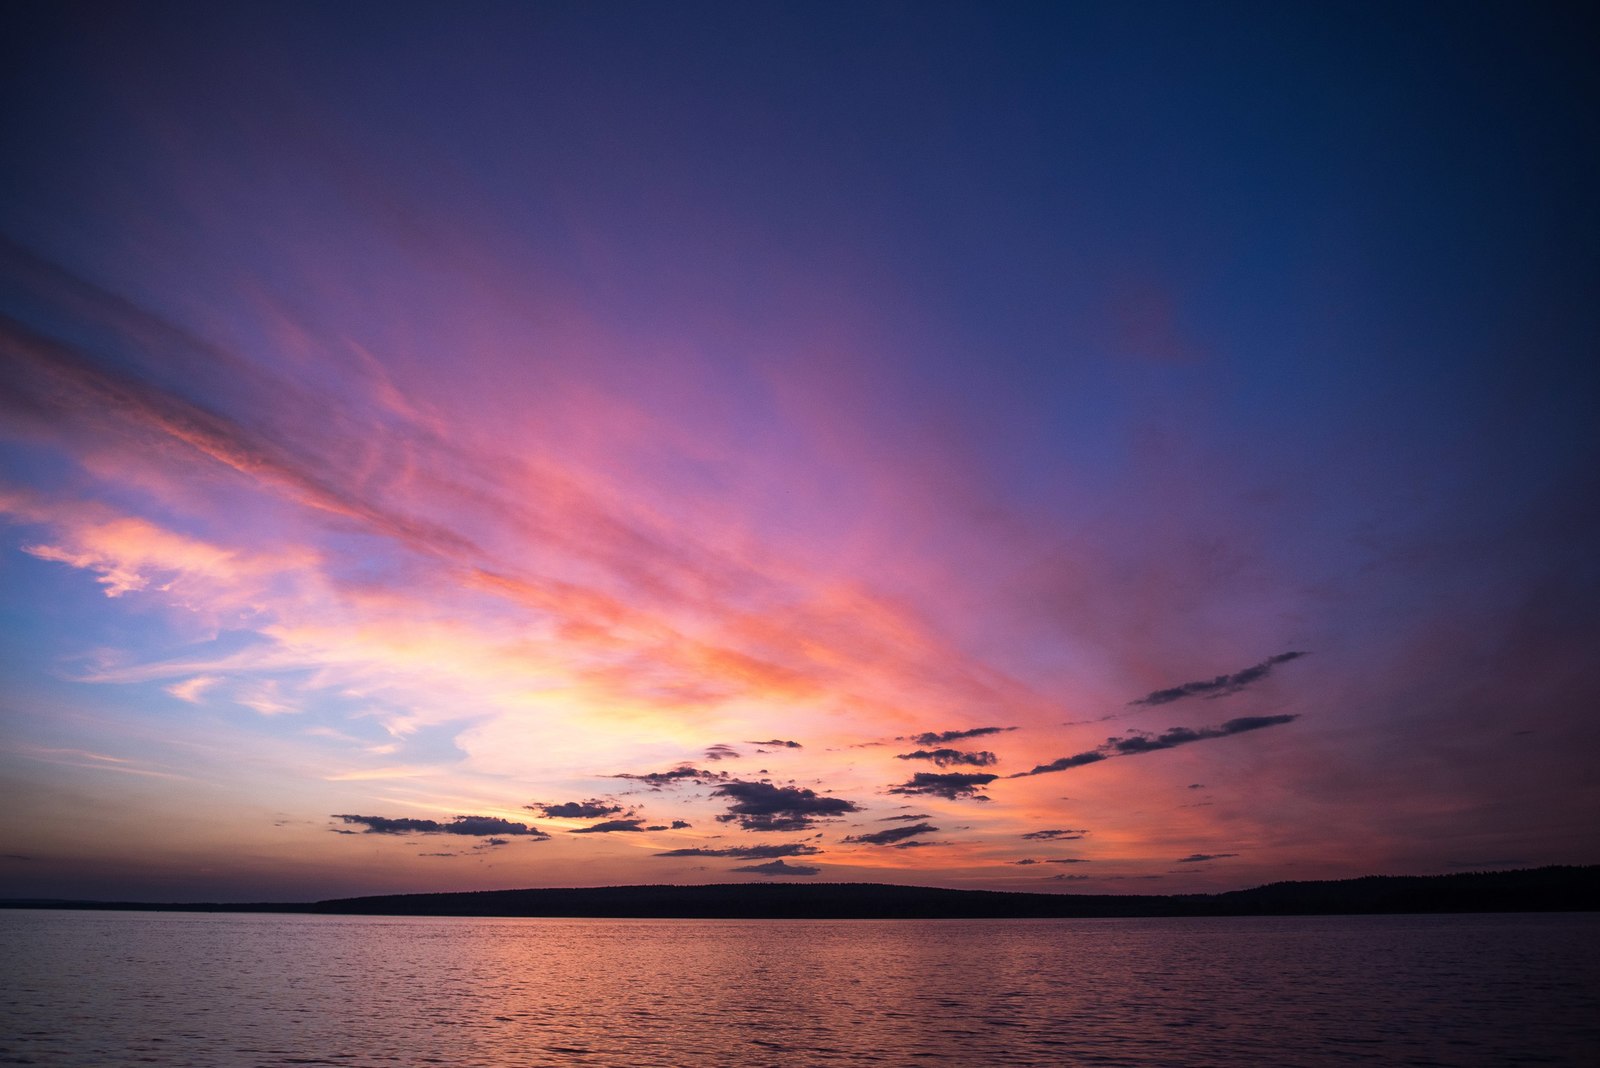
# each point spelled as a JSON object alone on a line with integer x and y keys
{"x": 84, "y": 988}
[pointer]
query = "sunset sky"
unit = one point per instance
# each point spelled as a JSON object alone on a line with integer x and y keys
{"x": 1086, "y": 447}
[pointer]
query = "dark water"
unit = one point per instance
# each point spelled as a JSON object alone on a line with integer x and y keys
{"x": 85, "y": 988}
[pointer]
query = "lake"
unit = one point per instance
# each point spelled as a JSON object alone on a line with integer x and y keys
{"x": 113, "y": 988}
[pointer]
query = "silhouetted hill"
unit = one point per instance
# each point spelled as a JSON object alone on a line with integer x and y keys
{"x": 1563, "y": 889}
{"x": 1554, "y": 889}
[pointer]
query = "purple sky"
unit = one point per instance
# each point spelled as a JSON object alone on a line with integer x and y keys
{"x": 1054, "y": 448}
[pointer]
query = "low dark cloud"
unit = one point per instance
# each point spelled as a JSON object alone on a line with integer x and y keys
{"x": 1197, "y": 786}
{"x": 941, "y": 737}
{"x": 591, "y": 809}
{"x": 1065, "y": 860}
{"x": 951, "y": 785}
{"x": 908, "y": 817}
{"x": 1060, "y": 835}
{"x": 490, "y": 843}
{"x": 721, "y": 752}
{"x": 778, "y": 867}
{"x": 678, "y": 825}
{"x": 678, "y": 775}
{"x": 945, "y": 758}
{"x": 1221, "y": 686}
{"x": 1200, "y": 858}
{"x": 1136, "y": 742}
{"x": 752, "y": 852}
{"x": 1069, "y": 878}
{"x": 779, "y": 743}
{"x": 1025, "y": 860}
{"x": 761, "y": 806}
{"x": 891, "y": 835}
{"x": 916, "y": 844}
{"x": 612, "y": 826}
{"x": 477, "y": 826}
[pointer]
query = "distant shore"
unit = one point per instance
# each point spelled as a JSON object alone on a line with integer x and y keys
{"x": 1550, "y": 889}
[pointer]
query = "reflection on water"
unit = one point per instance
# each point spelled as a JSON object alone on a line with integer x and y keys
{"x": 85, "y": 988}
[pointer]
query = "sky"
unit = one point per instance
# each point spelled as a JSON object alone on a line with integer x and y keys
{"x": 1114, "y": 448}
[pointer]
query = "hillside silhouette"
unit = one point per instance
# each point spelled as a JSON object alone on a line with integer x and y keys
{"x": 1551, "y": 889}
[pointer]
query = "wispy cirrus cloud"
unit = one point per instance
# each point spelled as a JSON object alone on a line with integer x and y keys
{"x": 620, "y": 589}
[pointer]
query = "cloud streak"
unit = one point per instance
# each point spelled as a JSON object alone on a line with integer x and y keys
{"x": 613, "y": 826}
{"x": 1221, "y": 685}
{"x": 934, "y": 738}
{"x": 1136, "y": 743}
{"x": 891, "y": 835}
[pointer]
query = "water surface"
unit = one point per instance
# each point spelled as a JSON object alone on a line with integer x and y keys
{"x": 108, "y": 988}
